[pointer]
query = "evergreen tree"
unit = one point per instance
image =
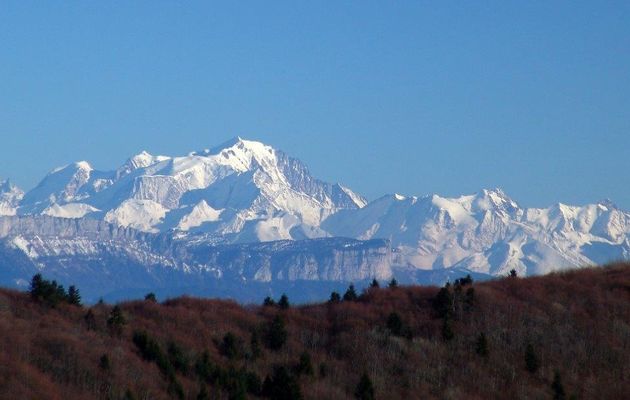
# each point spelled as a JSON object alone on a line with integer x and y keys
{"x": 104, "y": 363}
{"x": 393, "y": 283}
{"x": 531, "y": 360}
{"x": 36, "y": 289}
{"x": 513, "y": 273}
{"x": 269, "y": 302}
{"x": 351, "y": 294}
{"x": 334, "y": 298}
{"x": 150, "y": 297}
{"x": 557, "y": 387}
{"x": 443, "y": 303}
{"x": 305, "y": 367}
{"x": 129, "y": 395}
{"x": 469, "y": 298}
{"x": 203, "y": 393}
{"x": 255, "y": 345}
{"x": 365, "y": 389}
{"x": 74, "y": 297}
{"x": 116, "y": 320}
{"x": 481, "y": 347}
{"x": 230, "y": 347}
{"x": 447, "y": 330}
{"x": 276, "y": 333}
{"x": 284, "y": 302}
{"x": 90, "y": 320}
{"x": 395, "y": 324}
{"x": 375, "y": 284}
{"x": 282, "y": 386}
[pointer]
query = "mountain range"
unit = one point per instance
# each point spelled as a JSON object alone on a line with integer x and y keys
{"x": 244, "y": 219}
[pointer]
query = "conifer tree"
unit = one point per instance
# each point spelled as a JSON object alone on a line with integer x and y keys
{"x": 268, "y": 302}
{"x": 375, "y": 284}
{"x": 334, "y": 298}
{"x": 531, "y": 360}
{"x": 255, "y": 345}
{"x": 481, "y": 347}
{"x": 104, "y": 363}
{"x": 557, "y": 387}
{"x": 284, "y": 302}
{"x": 305, "y": 367}
{"x": 395, "y": 324}
{"x": 365, "y": 389}
{"x": 447, "y": 330}
{"x": 116, "y": 320}
{"x": 443, "y": 303}
{"x": 513, "y": 273}
{"x": 351, "y": 294}
{"x": 393, "y": 283}
{"x": 276, "y": 333}
{"x": 150, "y": 297}
{"x": 74, "y": 297}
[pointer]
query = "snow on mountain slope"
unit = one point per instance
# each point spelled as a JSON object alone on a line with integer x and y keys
{"x": 488, "y": 232}
{"x": 244, "y": 191}
{"x": 10, "y": 196}
{"x": 253, "y": 183}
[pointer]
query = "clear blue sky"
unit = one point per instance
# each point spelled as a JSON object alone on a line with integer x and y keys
{"x": 407, "y": 97}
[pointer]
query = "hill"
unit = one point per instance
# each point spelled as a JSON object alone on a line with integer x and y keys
{"x": 564, "y": 334}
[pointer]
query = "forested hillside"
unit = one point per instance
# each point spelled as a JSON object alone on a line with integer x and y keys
{"x": 564, "y": 335}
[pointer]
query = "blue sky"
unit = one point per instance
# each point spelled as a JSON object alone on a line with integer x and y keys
{"x": 411, "y": 97}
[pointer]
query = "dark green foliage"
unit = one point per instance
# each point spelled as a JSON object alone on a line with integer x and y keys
{"x": 269, "y": 302}
{"x": 74, "y": 297}
{"x": 557, "y": 387}
{"x": 177, "y": 358}
{"x": 323, "y": 370}
{"x": 116, "y": 320}
{"x": 283, "y": 303}
{"x": 129, "y": 395}
{"x": 150, "y": 297}
{"x": 469, "y": 298}
{"x": 47, "y": 292}
{"x": 254, "y": 344}
{"x": 365, "y": 389}
{"x": 443, "y": 303}
{"x": 375, "y": 284}
{"x": 351, "y": 294}
{"x": 203, "y": 393}
{"x": 481, "y": 346}
{"x": 204, "y": 368}
{"x": 393, "y": 283}
{"x": 513, "y": 273}
{"x": 282, "y": 386}
{"x": 304, "y": 367}
{"x": 150, "y": 350}
{"x": 531, "y": 359}
{"x": 276, "y": 333}
{"x": 395, "y": 324}
{"x": 334, "y": 298}
{"x": 447, "y": 330}
{"x": 231, "y": 346}
{"x": 468, "y": 280}
{"x": 175, "y": 389}
{"x": 90, "y": 320}
{"x": 104, "y": 363}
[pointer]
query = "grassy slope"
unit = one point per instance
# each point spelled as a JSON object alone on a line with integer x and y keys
{"x": 578, "y": 323}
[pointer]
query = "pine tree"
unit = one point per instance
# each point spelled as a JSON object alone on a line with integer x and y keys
{"x": 334, "y": 298}
{"x": 351, "y": 294}
{"x": 116, "y": 320}
{"x": 269, "y": 302}
{"x": 230, "y": 346}
{"x": 469, "y": 298}
{"x": 557, "y": 387}
{"x": 375, "y": 284}
{"x": 104, "y": 363}
{"x": 276, "y": 334}
{"x": 393, "y": 283}
{"x": 150, "y": 297}
{"x": 481, "y": 347}
{"x": 255, "y": 345}
{"x": 395, "y": 324}
{"x": 531, "y": 360}
{"x": 284, "y": 302}
{"x": 443, "y": 303}
{"x": 365, "y": 389}
{"x": 513, "y": 273}
{"x": 305, "y": 367}
{"x": 74, "y": 297}
{"x": 447, "y": 330}
{"x": 36, "y": 286}
{"x": 90, "y": 320}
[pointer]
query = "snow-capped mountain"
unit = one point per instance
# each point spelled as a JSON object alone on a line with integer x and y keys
{"x": 209, "y": 215}
{"x": 240, "y": 191}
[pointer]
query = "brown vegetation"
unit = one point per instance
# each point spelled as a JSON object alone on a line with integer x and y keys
{"x": 514, "y": 338}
